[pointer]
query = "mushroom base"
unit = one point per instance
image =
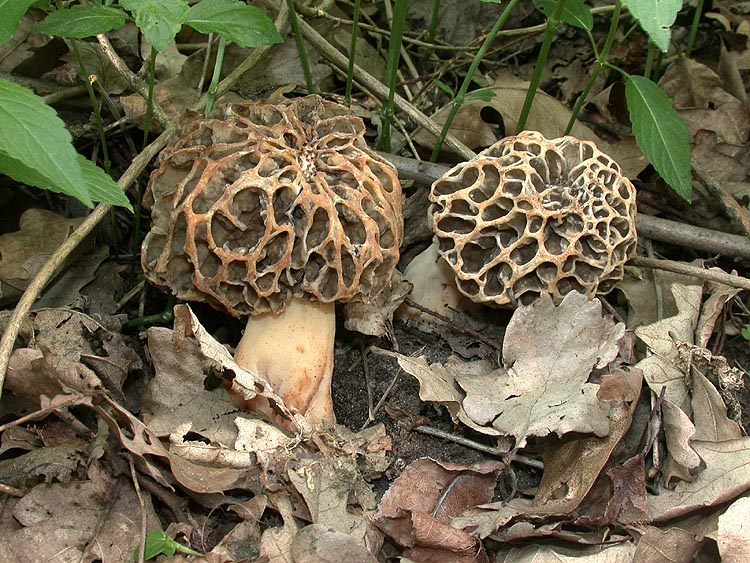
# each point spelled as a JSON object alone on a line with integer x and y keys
{"x": 293, "y": 352}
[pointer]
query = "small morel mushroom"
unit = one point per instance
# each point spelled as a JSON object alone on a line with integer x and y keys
{"x": 529, "y": 216}
{"x": 275, "y": 212}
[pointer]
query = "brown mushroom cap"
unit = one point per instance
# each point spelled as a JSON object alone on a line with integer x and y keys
{"x": 530, "y": 215}
{"x": 272, "y": 202}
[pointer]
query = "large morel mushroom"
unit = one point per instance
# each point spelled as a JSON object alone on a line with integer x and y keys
{"x": 529, "y": 216}
{"x": 275, "y": 212}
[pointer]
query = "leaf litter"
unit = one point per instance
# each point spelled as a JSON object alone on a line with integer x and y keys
{"x": 637, "y": 423}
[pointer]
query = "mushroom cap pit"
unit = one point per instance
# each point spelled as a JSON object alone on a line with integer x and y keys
{"x": 530, "y": 215}
{"x": 269, "y": 202}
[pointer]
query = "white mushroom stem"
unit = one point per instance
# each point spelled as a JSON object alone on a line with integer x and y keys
{"x": 293, "y": 351}
{"x": 434, "y": 288}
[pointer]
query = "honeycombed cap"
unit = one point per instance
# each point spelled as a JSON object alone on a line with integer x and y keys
{"x": 273, "y": 201}
{"x": 530, "y": 215}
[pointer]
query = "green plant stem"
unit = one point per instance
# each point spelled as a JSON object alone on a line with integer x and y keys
{"x": 553, "y": 24}
{"x": 694, "y": 28}
{"x": 214, "y": 86}
{"x": 94, "y": 104}
{"x": 150, "y": 97}
{"x": 601, "y": 59}
{"x": 394, "y": 55}
{"x": 458, "y": 101}
{"x": 650, "y": 54}
{"x": 352, "y": 54}
{"x": 432, "y": 29}
{"x": 300, "y": 46}
{"x": 164, "y": 317}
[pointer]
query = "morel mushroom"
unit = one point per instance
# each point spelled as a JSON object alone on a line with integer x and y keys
{"x": 529, "y": 216}
{"x": 275, "y": 212}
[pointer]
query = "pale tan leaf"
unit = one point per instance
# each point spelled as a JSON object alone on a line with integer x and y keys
{"x": 619, "y": 553}
{"x": 549, "y": 351}
{"x": 321, "y": 544}
{"x": 672, "y": 545}
{"x": 734, "y": 532}
{"x": 725, "y": 476}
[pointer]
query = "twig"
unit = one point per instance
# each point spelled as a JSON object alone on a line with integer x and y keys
{"x": 430, "y": 431}
{"x": 731, "y": 280}
{"x": 136, "y": 83}
{"x": 457, "y": 327}
{"x": 372, "y": 84}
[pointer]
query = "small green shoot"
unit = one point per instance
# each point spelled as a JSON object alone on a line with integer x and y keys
{"x": 159, "y": 543}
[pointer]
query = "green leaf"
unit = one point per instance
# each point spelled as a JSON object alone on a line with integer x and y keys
{"x": 36, "y": 138}
{"x": 660, "y": 132}
{"x": 245, "y": 25}
{"x": 158, "y": 543}
{"x": 158, "y": 20}
{"x": 574, "y": 13}
{"x": 444, "y": 87}
{"x": 656, "y": 17}
{"x": 101, "y": 186}
{"x": 11, "y": 12}
{"x": 79, "y": 22}
{"x": 485, "y": 95}
{"x": 745, "y": 332}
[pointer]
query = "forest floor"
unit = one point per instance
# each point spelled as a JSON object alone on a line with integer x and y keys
{"x": 596, "y": 429}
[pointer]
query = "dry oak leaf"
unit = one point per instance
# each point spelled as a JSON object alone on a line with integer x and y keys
{"x": 548, "y": 352}
{"x": 418, "y": 509}
{"x": 571, "y": 468}
{"x": 734, "y": 532}
{"x": 726, "y": 476}
{"x": 618, "y": 553}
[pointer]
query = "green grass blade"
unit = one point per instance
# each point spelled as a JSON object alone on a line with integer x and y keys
{"x": 660, "y": 132}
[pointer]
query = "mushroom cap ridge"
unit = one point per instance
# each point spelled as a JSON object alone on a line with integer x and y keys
{"x": 530, "y": 215}
{"x": 269, "y": 202}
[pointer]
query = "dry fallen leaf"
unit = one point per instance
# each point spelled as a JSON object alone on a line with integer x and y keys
{"x": 549, "y": 352}
{"x": 320, "y": 544}
{"x": 329, "y": 486}
{"x": 720, "y": 152}
{"x": 418, "y": 508}
{"x": 734, "y": 532}
{"x": 97, "y": 519}
{"x": 570, "y": 469}
{"x": 618, "y": 553}
{"x": 672, "y": 545}
{"x": 725, "y": 476}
